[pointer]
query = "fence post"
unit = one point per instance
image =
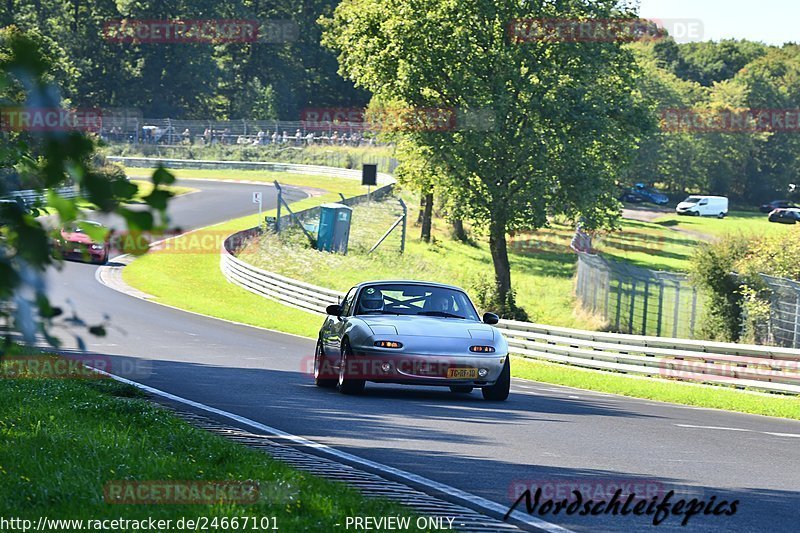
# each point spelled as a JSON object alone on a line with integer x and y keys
{"x": 644, "y": 312}
{"x": 278, "y": 214}
{"x": 694, "y": 313}
{"x": 633, "y": 305}
{"x": 660, "y": 306}
{"x": 619, "y": 303}
{"x": 676, "y": 314}
{"x": 403, "y": 229}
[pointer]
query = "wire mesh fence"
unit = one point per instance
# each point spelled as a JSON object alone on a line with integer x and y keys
{"x": 123, "y": 128}
{"x": 637, "y": 300}
{"x": 782, "y": 328}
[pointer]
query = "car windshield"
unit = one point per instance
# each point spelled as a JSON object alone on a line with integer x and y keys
{"x": 412, "y": 299}
{"x": 692, "y": 199}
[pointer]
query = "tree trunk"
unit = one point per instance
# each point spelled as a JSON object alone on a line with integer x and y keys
{"x": 427, "y": 215}
{"x": 459, "y": 232}
{"x": 502, "y": 268}
{"x": 421, "y": 213}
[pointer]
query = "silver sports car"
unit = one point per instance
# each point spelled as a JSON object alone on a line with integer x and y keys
{"x": 411, "y": 332}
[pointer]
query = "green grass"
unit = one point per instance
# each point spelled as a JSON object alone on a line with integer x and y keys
{"x": 332, "y": 156}
{"x": 333, "y": 186}
{"x": 63, "y": 440}
{"x": 193, "y": 281}
{"x": 715, "y": 397}
{"x": 745, "y": 222}
{"x": 640, "y": 243}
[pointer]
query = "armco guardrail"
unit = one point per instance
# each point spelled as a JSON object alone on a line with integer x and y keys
{"x": 270, "y": 285}
{"x": 31, "y": 196}
{"x": 759, "y": 367}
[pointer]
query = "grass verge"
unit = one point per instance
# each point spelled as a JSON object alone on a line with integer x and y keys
{"x": 715, "y": 397}
{"x": 745, "y": 222}
{"x": 65, "y": 439}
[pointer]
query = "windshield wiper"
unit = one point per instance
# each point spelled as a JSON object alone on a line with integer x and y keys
{"x": 444, "y": 314}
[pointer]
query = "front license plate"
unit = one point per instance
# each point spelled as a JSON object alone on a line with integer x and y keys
{"x": 76, "y": 250}
{"x": 462, "y": 373}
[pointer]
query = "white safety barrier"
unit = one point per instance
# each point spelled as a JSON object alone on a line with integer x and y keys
{"x": 32, "y": 196}
{"x": 741, "y": 365}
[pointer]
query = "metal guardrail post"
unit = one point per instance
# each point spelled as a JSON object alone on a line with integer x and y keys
{"x": 278, "y": 214}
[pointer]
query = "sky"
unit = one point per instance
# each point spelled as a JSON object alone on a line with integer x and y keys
{"x": 770, "y": 21}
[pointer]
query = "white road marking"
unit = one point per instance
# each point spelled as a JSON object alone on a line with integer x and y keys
{"x": 771, "y": 433}
{"x": 711, "y": 427}
{"x": 529, "y": 393}
{"x": 347, "y": 457}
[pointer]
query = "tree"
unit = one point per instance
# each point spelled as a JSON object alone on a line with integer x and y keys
{"x": 566, "y": 118}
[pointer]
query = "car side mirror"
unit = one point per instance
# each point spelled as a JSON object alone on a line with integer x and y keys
{"x": 490, "y": 318}
{"x": 334, "y": 310}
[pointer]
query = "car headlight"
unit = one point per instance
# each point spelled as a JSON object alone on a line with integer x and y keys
{"x": 97, "y": 247}
{"x": 481, "y": 349}
{"x": 389, "y": 344}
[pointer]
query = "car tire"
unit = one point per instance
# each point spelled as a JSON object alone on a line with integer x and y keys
{"x": 721, "y": 216}
{"x": 319, "y": 365}
{"x": 345, "y": 384}
{"x": 461, "y": 389}
{"x": 499, "y": 391}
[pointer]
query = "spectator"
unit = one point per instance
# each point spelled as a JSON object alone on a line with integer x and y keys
{"x": 275, "y": 137}
{"x": 260, "y": 136}
{"x": 335, "y": 137}
{"x": 207, "y": 136}
{"x": 297, "y": 137}
{"x": 187, "y": 136}
{"x": 285, "y": 138}
{"x": 309, "y": 138}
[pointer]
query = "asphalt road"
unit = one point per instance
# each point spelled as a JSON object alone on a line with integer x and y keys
{"x": 543, "y": 435}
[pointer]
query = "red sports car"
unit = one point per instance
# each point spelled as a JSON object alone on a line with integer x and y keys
{"x": 73, "y": 242}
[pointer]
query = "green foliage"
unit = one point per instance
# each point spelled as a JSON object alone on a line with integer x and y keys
{"x": 188, "y": 80}
{"x": 49, "y": 160}
{"x": 713, "y": 270}
{"x": 565, "y": 116}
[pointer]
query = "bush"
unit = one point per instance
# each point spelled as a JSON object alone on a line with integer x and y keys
{"x": 739, "y": 299}
{"x": 486, "y": 294}
{"x": 713, "y": 268}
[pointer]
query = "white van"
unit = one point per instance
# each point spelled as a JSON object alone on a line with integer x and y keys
{"x": 706, "y": 206}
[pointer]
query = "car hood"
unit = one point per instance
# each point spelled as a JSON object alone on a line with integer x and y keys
{"x": 687, "y": 204}
{"x": 428, "y": 326}
{"x": 76, "y": 237}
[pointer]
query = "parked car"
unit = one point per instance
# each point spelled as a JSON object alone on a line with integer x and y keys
{"x": 641, "y": 193}
{"x": 708, "y": 206}
{"x": 73, "y": 242}
{"x": 776, "y": 204}
{"x": 413, "y": 333}
{"x": 785, "y": 216}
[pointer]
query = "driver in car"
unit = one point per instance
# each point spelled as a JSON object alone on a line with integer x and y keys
{"x": 443, "y": 303}
{"x": 371, "y": 301}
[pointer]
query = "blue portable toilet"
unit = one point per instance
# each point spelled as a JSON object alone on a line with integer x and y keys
{"x": 334, "y": 228}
